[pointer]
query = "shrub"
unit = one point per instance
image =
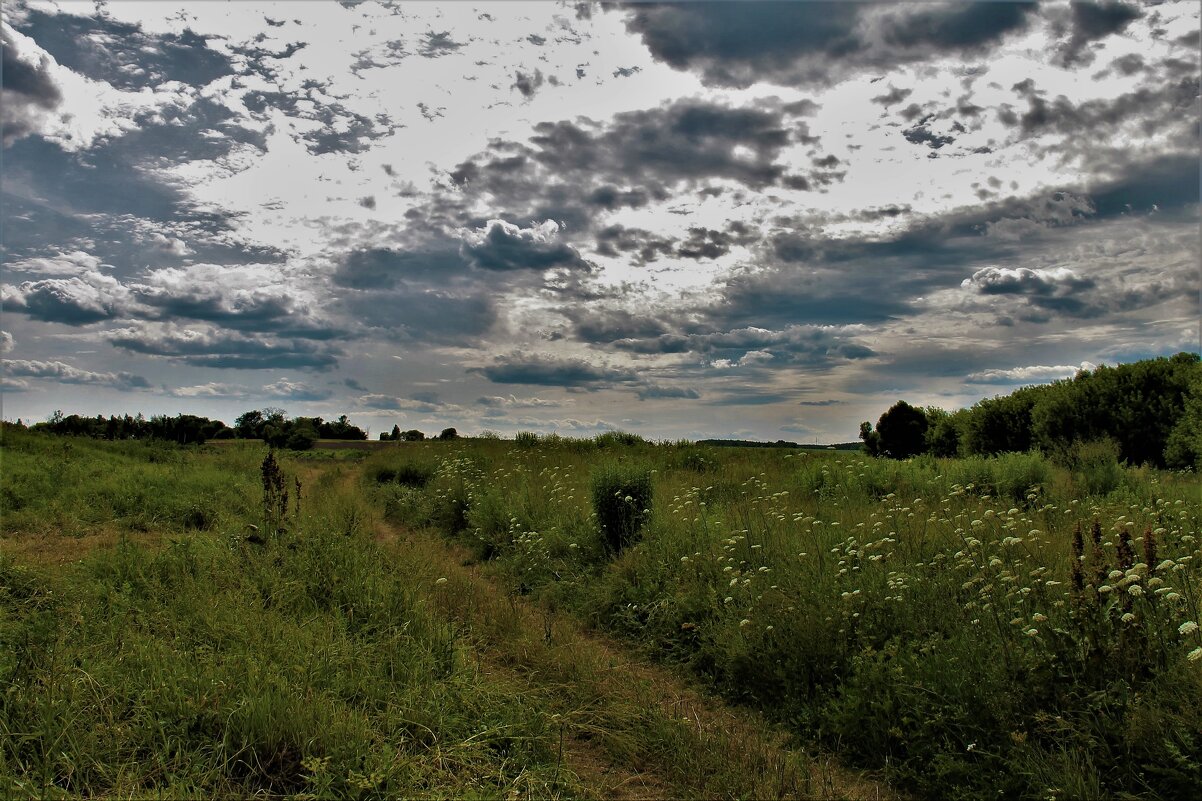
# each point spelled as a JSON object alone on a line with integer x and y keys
{"x": 622, "y": 503}
{"x": 610, "y": 438}
{"x": 525, "y": 439}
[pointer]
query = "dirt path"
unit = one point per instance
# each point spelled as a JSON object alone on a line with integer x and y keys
{"x": 630, "y": 730}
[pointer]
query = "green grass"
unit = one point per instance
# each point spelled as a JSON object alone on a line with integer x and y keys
{"x": 920, "y": 617}
{"x": 215, "y": 666}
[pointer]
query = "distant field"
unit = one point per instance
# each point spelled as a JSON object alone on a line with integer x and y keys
{"x": 429, "y": 620}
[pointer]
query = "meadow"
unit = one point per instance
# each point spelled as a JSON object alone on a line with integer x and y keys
{"x": 547, "y": 617}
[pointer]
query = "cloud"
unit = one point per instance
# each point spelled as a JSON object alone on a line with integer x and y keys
{"x": 527, "y": 83}
{"x": 284, "y": 389}
{"x": 79, "y": 300}
{"x": 382, "y": 268}
{"x": 544, "y": 370}
{"x": 73, "y": 263}
{"x": 205, "y": 346}
{"x": 29, "y": 88}
{"x": 459, "y": 316}
{"x": 661, "y": 391}
{"x": 1091, "y": 21}
{"x": 1034, "y": 374}
{"x": 213, "y": 389}
{"x": 6, "y": 342}
{"x": 514, "y": 402}
{"x": 570, "y": 170}
{"x": 1025, "y": 281}
{"x": 249, "y": 297}
{"x": 64, "y": 373}
{"x": 503, "y": 246}
{"x": 334, "y": 128}
{"x": 814, "y": 43}
{"x": 122, "y": 54}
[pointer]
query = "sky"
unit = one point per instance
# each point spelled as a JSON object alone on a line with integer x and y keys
{"x": 763, "y": 220}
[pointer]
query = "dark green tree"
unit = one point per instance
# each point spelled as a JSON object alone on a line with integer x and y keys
{"x": 902, "y": 431}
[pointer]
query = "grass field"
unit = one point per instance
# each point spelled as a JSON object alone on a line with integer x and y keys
{"x": 491, "y": 618}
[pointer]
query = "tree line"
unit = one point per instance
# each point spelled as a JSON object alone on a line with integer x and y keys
{"x": 270, "y": 425}
{"x": 1149, "y": 411}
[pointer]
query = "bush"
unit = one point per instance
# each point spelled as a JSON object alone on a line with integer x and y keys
{"x": 610, "y": 438}
{"x": 1095, "y": 466}
{"x": 525, "y": 439}
{"x": 622, "y": 503}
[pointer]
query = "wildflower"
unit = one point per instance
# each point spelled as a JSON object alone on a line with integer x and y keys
{"x": 744, "y": 623}
{"x": 1032, "y": 632}
{"x": 1135, "y": 590}
{"x": 1194, "y": 655}
{"x": 727, "y": 599}
{"x": 1039, "y": 617}
{"x": 1188, "y": 627}
{"x": 442, "y": 580}
{"x": 1128, "y": 618}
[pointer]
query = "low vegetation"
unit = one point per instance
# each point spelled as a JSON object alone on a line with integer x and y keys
{"x": 429, "y": 618}
{"x": 971, "y": 626}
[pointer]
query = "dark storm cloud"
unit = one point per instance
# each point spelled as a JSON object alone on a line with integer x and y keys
{"x": 1091, "y": 21}
{"x": 706, "y": 243}
{"x": 660, "y": 391}
{"x": 569, "y": 169}
{"x": 1171, "y": 100}
{"x": 551, "y": 371}
{"x": 750, "y": 396}
{"x": 210, "y": 347}
{"x": 457, "y": 316}
{"x": 527, "y": 83}
{"x": 383, "y": 268}
{"x": 740, "y": 43}
{"x": 609, "y": 325}
{"x": 753, "y": 346}
{"x": 504, "y": 247}
{"x": 922, "y": 135}
{"x": 645, "y": 245}
{"x": 122, "y": 54}
{"x": 67, "y": 374}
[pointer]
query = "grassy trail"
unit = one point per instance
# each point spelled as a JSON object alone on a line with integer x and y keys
{"x": 629, "y": 729}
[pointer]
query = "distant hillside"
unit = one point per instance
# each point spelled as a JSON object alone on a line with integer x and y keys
{"x": 747, "y": 443}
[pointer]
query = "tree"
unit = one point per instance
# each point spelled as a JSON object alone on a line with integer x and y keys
{"x": 902, "y": 431}
{"x": 413, "y": 435}
{"x": 943, "y": 432}
{"x": 449, "y": 433}
{"x": 249, "y": 425}
{"x": 872, "y": 440}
